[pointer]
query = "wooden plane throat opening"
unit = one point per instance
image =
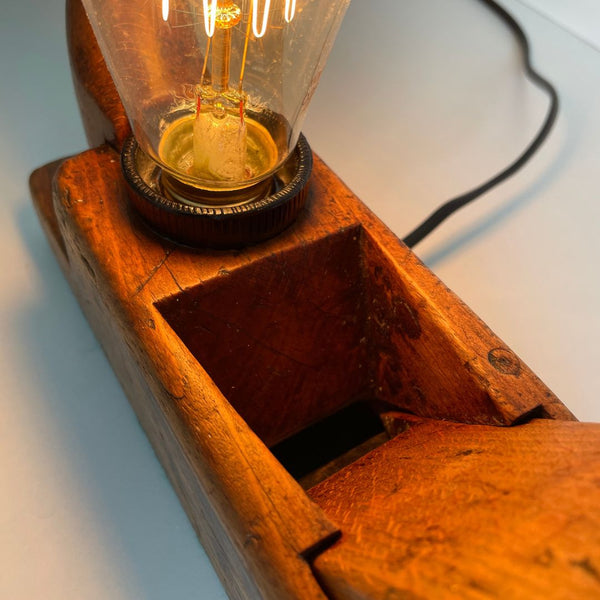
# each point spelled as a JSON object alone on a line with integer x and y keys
{"x": 314, "y": 369}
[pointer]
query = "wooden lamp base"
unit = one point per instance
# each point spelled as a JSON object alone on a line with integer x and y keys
{"x": 429, "y": 461}
{"x": 231, "y": 357}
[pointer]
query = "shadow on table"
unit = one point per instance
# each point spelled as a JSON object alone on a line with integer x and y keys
{"x": 507, "y": 208}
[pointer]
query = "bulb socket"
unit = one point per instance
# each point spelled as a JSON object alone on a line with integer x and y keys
{"x": 216, "y": 219}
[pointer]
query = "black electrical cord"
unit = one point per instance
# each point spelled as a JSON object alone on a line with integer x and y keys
{"x": 444, "y": 211}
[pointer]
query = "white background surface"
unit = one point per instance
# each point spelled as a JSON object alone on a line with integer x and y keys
{"x": 422, "y": 99}
{"x": 580, "y": 17}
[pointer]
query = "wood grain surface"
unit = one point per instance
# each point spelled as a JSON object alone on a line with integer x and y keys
{"x": 102, "y": 112}
{"x": 254, "y": 520}
{"x": 489, "y": 489}
{"x": 447, "y": 510}
{"x": 332, "y": 311}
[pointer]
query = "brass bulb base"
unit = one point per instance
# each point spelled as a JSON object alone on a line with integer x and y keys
{"x": 183, "y": 193}
{"x": 216, "y": 219}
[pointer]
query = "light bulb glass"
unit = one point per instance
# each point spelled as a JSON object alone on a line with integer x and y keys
{"x": 216, "y": 90}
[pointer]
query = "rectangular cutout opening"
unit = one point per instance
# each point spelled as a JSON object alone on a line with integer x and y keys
{"x": 293, "y": 338}
{"x": 332, "y": 443}
{"x": 284, "y": 337}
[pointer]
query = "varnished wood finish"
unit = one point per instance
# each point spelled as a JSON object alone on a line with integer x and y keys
{"x": 102, "y": 112}
{"x": 285, "y": 336}
{"x": 419, "y": 349}
{"x": 253, "y": 518}
{"x": 183, "y": 328}
{"x": 224, "y": 354}
{"x": 447, "y": 510}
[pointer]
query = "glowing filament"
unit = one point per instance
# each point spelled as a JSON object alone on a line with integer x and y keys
{"x": 165, "y": 10}
{"x": 257, "y": 33}
{"x": 290, "y": 10}
{"x": 210, "y": 17}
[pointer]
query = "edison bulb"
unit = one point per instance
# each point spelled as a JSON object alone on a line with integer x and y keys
{"x": 216, "y": 90}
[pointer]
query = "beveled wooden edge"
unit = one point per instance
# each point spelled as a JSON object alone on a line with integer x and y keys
{"x": 40, "y": 185}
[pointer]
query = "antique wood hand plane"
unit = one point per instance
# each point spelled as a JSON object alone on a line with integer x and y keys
{"x": 336, "y": 422}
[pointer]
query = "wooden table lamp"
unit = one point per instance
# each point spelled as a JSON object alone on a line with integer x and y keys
{"x": 336, "y": 422}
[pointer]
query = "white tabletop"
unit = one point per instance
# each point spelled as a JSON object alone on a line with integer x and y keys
{"x": 421, "y": 100}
